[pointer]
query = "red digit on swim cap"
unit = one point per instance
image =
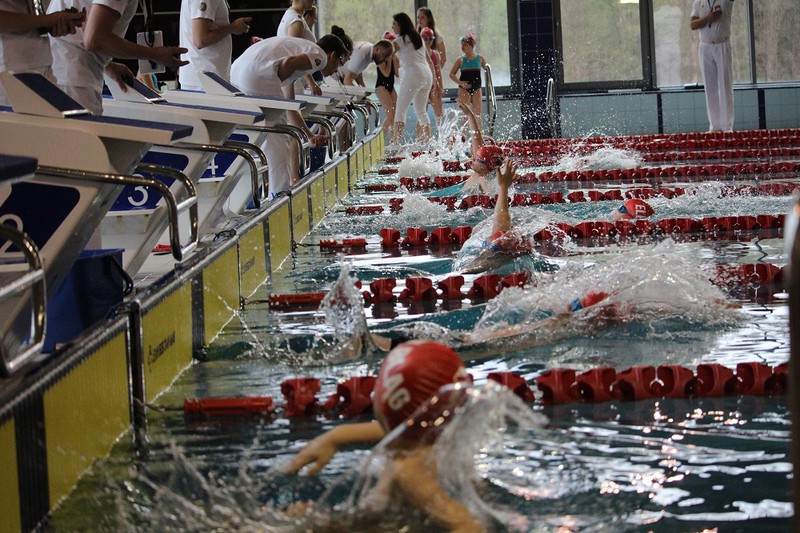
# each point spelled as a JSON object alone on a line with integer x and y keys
{"x": 491, "y": 156}
{"x": 411, "y": 373}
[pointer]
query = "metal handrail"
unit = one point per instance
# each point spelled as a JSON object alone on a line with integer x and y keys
{"x": 241, "y": 149}
{"x": 373, "y": 109}
{"x": 550, "y": 107}
{"x": 35, "y": 279}
{"x": 303, "y": 143}
{"x": 173, "y": 207}
{"x": 330, "y": 129}
{"x": 364, "y": 112}
{"x": 351, "y": 123}
{"x": 491, "y": 100}
{"x": 189, "y": 203}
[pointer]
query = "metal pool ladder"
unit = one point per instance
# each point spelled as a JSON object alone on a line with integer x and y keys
{"x": 550, "y": 107}
{"x": 491, "y": 101}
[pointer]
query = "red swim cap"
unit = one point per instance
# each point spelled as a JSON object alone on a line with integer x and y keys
{"x": 412, "y": 373}
{"x": 491, "y": 156}
{"x": 593, "y": 298}
{"x": 389, "y": 36}
{"x": 469, "y": 39}
{"x": 636, "y": 208}
{"x": 426, "y": 33}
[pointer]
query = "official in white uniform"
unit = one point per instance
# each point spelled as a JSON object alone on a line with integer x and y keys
{"x": 79, "y": 60}
{"x": 270, "y": 68}
{"x": 364, "y": 53}
{"x": 205, "y": 31}
{"x": 713, "y": 19}
{"x": 22, "y": 48}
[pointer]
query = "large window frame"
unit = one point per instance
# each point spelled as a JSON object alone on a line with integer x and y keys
{"x": 648, "y": 81}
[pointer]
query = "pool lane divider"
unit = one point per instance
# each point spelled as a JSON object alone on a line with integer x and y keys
{"x": 57, "y": 420}
{"x": 559, "y": 386}
{"x": 763, "y": 277}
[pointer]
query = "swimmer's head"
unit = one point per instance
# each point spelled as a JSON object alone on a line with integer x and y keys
{"x": 633, "y": 208}
{"x": 427, "y": 34}
{"x": 411, "y": 374}
{"x": 588, "y": 300}
{"x": 486, "y": 159}
{"x": 389, "y": 36}
{"x": 469, "y": 39}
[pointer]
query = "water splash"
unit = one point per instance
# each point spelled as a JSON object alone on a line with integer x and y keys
{"x": 651, "y": 285}
{"x": 485, "y": 428}
{"x": 602, "y": 158}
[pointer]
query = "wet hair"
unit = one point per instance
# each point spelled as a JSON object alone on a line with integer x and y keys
{"x": 331, "y": 43}
{"x": 339, "y": 32}
{"x": 407, "y": 29}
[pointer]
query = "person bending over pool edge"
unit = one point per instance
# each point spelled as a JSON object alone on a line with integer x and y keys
{"x": 410, "y": 375}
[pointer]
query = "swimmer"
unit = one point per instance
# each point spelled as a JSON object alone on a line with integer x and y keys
{"x": 410, "y": 375}
{"x": 486, "y": 157}
{"x": 504, "y": 244}
{"x": 633, "y": 209}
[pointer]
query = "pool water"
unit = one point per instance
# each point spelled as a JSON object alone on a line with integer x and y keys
{"x": 653, "y": 465}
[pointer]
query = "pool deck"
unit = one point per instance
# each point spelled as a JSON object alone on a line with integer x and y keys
{"x": 58, "y": 420}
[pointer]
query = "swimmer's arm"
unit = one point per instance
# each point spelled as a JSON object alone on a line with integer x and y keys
{"x": 456, "y": 67}
{"x": 420, "y": 486}
{"x": 477, "y": 136}
{"x": 320, "y": 450}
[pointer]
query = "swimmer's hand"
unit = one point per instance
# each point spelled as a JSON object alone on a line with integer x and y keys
{"x": 320, "y": 450}
{"x": 464, "y": 106}
{"x": 506, "y": 174}
{"x": 318, "y": 141}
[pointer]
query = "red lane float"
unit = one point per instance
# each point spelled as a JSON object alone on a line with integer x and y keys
{"x": 300, "y": 395}
{"x": 343, "y": 243}
{"x": 228, "y": 406}
{"x": 558, "y": 386}
{"x": 294, "y": 300}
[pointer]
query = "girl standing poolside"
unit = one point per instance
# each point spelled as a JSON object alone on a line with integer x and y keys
{"x": 437, "y": 89}
{"x": 384, "y": 85}
{"x": 471, "y": 65}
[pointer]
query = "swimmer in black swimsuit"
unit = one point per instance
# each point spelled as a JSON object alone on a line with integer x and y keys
{"x": 471, "y": 66}
{"x": 384, "y": 85}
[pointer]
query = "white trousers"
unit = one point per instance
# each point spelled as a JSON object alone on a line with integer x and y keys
{"x": 717, "y": 66}
{"x": 414, "y": 87}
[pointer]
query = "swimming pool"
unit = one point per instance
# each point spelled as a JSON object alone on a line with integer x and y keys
{"x": 657, "y": 464}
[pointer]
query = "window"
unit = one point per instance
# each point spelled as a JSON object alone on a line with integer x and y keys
{"x": 777, "y": 47}
{"x": 601, "y": 41}
{"x": 487, "y": 21}
{"x": 676, "y": 45}
{"x": 362, "y": 20}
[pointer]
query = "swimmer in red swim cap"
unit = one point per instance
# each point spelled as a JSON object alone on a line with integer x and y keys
{"x": 632, "y": 209}
{"x": 411, "y": 374}
{"x": 486, "y": 157}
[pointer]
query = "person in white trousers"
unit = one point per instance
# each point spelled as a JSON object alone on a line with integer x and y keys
{"x": 270, "y": 68}
{"x": 713, "y": 19}
{"x": 416, "y": 77}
